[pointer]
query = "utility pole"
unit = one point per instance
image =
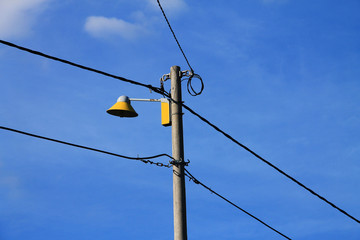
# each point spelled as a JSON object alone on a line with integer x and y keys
{"x": 179, "y": 198}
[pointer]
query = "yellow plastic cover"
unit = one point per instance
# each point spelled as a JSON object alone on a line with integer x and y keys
{"x": 165, "y": 113}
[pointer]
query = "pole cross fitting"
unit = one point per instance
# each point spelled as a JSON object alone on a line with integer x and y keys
{"x": 180, "y": 162}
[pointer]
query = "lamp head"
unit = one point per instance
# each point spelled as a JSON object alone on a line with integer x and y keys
{"x": 122, "y": 108}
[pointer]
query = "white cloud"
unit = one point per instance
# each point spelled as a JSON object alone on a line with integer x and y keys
{"x": 18, "y": 16}
{"x": 104, "y": 27}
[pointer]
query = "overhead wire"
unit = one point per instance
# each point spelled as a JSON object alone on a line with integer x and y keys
{"x": 190, "y": 88}
{"x": 142, "y": 159}
{"x": 173, "y": 33}
{"x": 270, "y": 164}
{"x": 196, "y": 181}
{"x": 163, "y": 92}
{"x": 157, "y": 90}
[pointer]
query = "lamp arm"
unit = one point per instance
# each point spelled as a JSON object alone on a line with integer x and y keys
{"x": 145, "y": 100}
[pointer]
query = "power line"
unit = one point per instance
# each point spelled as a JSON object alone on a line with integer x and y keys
{"x": 196, "y": 181}
{"x": 269, "y": 163}
{"x": 173, "y": 33}
{"x": 157, "y": 90}
{"x": 162, "y": 92}
{"x": 190, "y": 88}
{"x": 142, "y": 159}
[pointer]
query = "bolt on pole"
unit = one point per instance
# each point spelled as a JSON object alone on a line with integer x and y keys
{"x": 179, "y": 198}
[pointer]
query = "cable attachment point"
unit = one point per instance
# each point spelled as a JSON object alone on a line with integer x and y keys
{"x": 194, "y": 180}
{"x": 159, "y": 164}
{"x": 189, "y": 74}
{"x": 179, "y": 162}
{"x": 165, "y": 77}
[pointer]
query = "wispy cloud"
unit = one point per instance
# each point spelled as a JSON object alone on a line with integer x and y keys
{"x": 103, "y": 27}
{"x": 9, "y": 185}
{"x": 18, "y": 16}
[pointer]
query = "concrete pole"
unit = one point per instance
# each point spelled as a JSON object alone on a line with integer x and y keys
{"x": 180, "y": 229}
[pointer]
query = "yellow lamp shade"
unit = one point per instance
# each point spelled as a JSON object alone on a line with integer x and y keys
{"x": 122, "y": 108}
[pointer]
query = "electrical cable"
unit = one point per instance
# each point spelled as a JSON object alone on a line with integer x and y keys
{"x": 173, "y": 33}
{"x": 196, "y": 181}
{"x": 269, "y": 163}
{"x": 142, "y": 159}
{"x": 190, "y": 88}
{"x": 157, "y": 90}
{"x": 163, "y": 92}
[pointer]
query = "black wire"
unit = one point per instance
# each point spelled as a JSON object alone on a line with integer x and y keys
{"x": 190, "y": 88}
{"x": 262, "y": 159}
{"x": 157, "y": 90}
{"x": 173, "y": 33}
{"x": 269, "y": 163}
{"x": 143, "y": 159}
{"x": 191, "y": 177}
{"x": 162, "y": 92}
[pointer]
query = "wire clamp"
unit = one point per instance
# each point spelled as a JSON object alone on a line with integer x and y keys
{"x": 180, "y": 162}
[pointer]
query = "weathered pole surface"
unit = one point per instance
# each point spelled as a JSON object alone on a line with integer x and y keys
{"x": 180, "y": 228}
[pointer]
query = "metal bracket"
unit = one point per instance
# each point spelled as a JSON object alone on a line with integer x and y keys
{"x": 180, "y": 162}
{"x": 187, "y": 73}
{"x": 165, "y": 77}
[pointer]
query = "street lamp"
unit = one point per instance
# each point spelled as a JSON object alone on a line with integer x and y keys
{"x": 123, "y": 108}
{"x": 171, "y": 115}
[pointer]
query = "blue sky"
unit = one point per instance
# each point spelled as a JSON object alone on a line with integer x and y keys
{"x": 281, "y": 76}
